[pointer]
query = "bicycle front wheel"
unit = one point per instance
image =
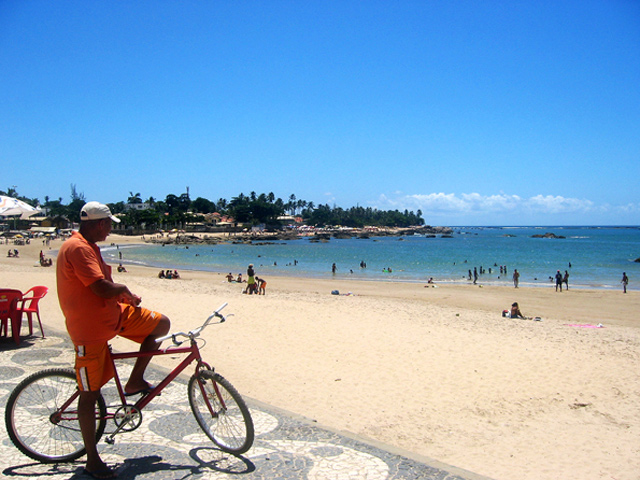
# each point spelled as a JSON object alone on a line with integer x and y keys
{"x": 37, "y": 425}
{"x": 221, "y": 412}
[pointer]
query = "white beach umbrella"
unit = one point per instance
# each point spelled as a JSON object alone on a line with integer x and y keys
{"x": 10, "y": 206}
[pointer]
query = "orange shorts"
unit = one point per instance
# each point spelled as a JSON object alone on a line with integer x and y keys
{"x": 93, "y": 367}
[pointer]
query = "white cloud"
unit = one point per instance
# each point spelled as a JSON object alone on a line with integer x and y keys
{"x": 475, "y": 208}
{"x": 438, "y": 203}
{"x": 558, "y": 204}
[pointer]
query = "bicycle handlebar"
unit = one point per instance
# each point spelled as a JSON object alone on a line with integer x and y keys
{"x": 195, "y": 332}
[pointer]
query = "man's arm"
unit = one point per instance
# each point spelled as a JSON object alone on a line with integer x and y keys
{"x": 104, "y": 288}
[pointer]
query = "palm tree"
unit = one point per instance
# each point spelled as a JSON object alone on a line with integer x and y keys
{"x": 134, "y": 198}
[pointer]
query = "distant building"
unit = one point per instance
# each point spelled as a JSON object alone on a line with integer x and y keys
{"x": 138, "y": 206}
{"x": 217, "y": 219}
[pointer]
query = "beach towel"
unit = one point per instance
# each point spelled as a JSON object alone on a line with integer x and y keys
{"x": 584, "y": 325}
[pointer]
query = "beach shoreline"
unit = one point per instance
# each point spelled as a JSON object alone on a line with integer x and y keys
{"x": 436, "y": 371}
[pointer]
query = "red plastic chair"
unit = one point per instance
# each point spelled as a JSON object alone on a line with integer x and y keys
{"x": 36, "y": 294}
{"x": 9, "y": 312}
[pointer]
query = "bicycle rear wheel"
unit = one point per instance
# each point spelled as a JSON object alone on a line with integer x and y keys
{"x": 35, "y": 423}
{"x": 221, "y": 412}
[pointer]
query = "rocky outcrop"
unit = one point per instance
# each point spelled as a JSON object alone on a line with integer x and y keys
{"x": 255, "y": 238}
{"x": 547, "y": 235}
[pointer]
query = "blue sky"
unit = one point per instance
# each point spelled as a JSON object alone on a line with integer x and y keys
{"x": 476, "y": 113}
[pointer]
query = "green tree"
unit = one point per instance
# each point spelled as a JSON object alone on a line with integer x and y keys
{"x": 134, "y": 198}
{"x": 202, "y": 205}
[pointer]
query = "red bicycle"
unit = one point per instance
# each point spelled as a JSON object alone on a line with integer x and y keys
{"x": 42, "y": 414}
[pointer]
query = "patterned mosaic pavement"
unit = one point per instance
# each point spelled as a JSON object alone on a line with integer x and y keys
{"x": 170, "y": 445}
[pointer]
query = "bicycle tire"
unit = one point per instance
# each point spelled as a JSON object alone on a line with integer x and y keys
{"x": 29, "y": 422}
{"x": 231, "y": 427}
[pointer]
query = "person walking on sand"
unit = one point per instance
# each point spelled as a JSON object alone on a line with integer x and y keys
{"x": 96, "y": 309}
{"x": 516, "y": 278}
{"x": 565, "y": 280}
{"x": 625, "y": 282}
{"x": 559, "y": 281}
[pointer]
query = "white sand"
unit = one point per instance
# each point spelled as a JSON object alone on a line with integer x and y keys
{"x": 435, "y": 371}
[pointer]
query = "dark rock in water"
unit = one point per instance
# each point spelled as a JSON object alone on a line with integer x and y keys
{"x": 343, "y": 235}
{"x": 637, "y": 260}
{"x": 322, "y": 237}
{"x": 547, "y": 235}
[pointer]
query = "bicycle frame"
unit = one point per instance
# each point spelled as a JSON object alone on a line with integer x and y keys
{"x": 194, "y": 355}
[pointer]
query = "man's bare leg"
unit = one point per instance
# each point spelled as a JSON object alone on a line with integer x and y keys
{"x": 87, "y": 420}
{"x": 136, "y": 380}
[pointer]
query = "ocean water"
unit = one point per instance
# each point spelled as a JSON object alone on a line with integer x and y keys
{"x": 597, "y": 255}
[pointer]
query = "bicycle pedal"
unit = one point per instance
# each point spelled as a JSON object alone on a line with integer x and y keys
{"x": 110, "y": 440}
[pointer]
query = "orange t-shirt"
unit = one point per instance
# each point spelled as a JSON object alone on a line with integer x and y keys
{"x": 89, "y": 318}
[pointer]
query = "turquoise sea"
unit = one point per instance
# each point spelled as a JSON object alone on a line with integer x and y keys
{"x": 597, "y": 255}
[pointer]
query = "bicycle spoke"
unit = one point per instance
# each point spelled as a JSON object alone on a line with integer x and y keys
{"x": 33, "y": 422}
{"x": 221, "y": 412}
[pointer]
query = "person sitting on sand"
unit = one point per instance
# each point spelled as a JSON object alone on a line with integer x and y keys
{"x": 121, "y": 268}
{"x": 161, "y": 274}
{"x": 176, "y": 274}
{"x": 239, "y": 279}
{"x": 230, "y": 277}
{"x": 515, "y": 311}
{"x": 10, "y": 253}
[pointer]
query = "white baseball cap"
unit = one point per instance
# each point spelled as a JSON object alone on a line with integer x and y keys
{"x": 96, "y": 211}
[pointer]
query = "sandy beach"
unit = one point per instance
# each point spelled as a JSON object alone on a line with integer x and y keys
{"x": 436, "y": 371}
